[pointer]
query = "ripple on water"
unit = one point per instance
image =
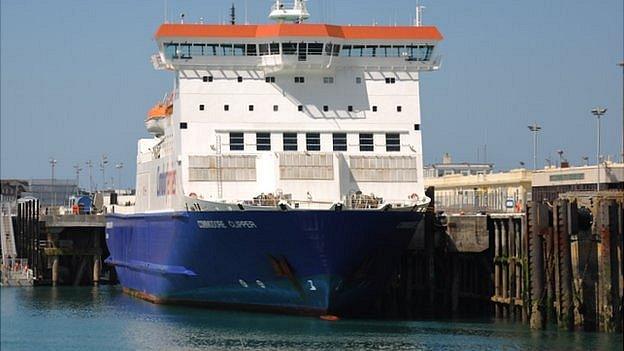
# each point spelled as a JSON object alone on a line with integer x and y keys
{"x": 91, "y": 319}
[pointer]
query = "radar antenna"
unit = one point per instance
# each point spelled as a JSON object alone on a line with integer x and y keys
{"x": 296, "y": 14}
{"x": 419, "y": 14}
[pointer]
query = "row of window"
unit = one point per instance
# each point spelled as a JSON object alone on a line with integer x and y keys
{"x": 313, "y": 142}
{"x": 298, "y": 80}
{"x": 350, "y": 108}
{"x": 185, "y": 51}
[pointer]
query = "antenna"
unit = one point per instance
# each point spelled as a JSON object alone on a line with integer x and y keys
{"x": 419, "y": 14}
{"x": 246, "y": 20}
{"x": 166, "y": 10}
{"x": 233, "y": 15}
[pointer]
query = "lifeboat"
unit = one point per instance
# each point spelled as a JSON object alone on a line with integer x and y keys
{"x": 156, "y": 116}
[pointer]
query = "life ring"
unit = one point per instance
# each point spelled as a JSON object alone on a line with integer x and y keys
{"x": 414, "y": 196}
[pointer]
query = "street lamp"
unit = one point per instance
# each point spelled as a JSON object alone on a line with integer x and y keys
{"x": 78, "y": 169}
{"x": 598, "y": 112}
{"x": 90, "y": 166}
{"x": 535, "y": 128}
{"x": 119, "y": 166}
{"x": 621, "y": 64}
{"x": 53, "y": 163}
{"x": 103, "y": 163}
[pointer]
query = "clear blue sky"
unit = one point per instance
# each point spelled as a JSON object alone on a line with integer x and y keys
{"x": 77, "y": 81}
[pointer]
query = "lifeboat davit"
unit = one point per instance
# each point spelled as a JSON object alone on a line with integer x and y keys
{"x": 156, "y": 117}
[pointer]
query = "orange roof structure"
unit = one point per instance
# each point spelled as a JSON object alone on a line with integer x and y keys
{"x": 298, "y": 30}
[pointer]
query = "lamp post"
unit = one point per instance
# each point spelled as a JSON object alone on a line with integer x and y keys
{"x": 598, "y": 112}
{"x": 103, "y": 164}
{"x": 90, "y": 166}
{"x": 77, "y": 168}
{"x": 621, "y": 64}
{"x": 53, "y": 163}
{"x": 119, "y": 166}
{"x": 560, "y": 153}
{"x": 535, "y": 128}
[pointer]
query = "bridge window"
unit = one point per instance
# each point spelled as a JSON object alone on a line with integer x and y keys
{"x": 357, "y": 50}
{"x": 340, "y": 141}
{"x": 275, "y": 48}
{"x": 313, "y": 141}
{"x": 315, "y": 49}
{"x": 264, "y": 49}
{"x": 370, "y": 51}
{"x": 384, "y": 50}
{"x": 239, "y": 49}
{"x": 171, "y": 50}
{"x": 366, "y": 142}
{"x": 346, "y": 51}
{"x": 290, "y": 141}
{"x": 237, "y": 142}
{"x": 211, "y": 49}
{"x": 263, "y": 141}
{"x": 197, "y": 50}
{"x": 332, "y": 49}
{"x": 393, "y": 142}
{"x": 289, "y": 48}
{"x": 250, "y": 50}
{"x": 228, "y": 49}
{"x": 184, "y": 51}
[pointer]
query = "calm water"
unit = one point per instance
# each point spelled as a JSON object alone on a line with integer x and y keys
{"x": 105, "y": 319}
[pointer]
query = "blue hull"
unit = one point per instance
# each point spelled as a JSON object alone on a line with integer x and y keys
{"x": 317, "y": 262}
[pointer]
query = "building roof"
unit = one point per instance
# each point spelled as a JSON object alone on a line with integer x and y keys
{"x": 298, "y": 30}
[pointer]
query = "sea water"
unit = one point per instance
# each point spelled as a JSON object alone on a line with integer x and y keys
{"x": 103, "y": 318}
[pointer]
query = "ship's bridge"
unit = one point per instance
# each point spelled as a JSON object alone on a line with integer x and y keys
{"x": 291, "y": 47}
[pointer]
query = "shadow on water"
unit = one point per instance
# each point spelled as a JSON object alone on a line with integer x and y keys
{"x": 103, "y": 318}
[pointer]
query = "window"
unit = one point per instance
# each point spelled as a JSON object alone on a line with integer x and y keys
{"x": 289, "y": 48}
{"x": 390, "y": 80}
{"x": 315, "y": 49}
{"x": 226, "y": 107}
{"x": 263, "y": 141}
{"x": 313, "y": 141}
{"x": 269, "y": 79}
{"x": 290, "y": 141}
{"x": 416, "y": 126}
{"x": 275, "y": 48}
{"x": 303, "y": 52}
{"x": 251, "y": 108}
{"x": 201, "y": 107}
{"x": 183, "y": 125}
{"x": 399, "y": 108}
{"x": 328, "y": 80}
{"x": 251, "y": 50}
{"x": 366, "y": 142}
{"x": 207, "y": 79}
{"x": 325, "y": 108}
{"x": 350, "y": 108}
{"x": 239, "y": 49}
{"x": 275, "y": 108}
{"x": 263, "y": 49}
{"x": 300, "y": 108}
{"x": 300, "y": 80}
{"x": 374, "y": 108}
{"x": 237, "y": 142}
{"x": 340, "y": 141}
{"x": 240, "y": 79}
{"x": 358, "y": 80}
{"x": 393, "y": 142}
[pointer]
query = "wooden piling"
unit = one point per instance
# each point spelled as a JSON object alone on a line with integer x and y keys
{"x": 538, "y": 224}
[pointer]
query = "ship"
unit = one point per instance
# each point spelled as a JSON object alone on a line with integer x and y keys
{"x": 283, "y": 171}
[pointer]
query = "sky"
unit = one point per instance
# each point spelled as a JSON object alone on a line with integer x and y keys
{"x": 76, "y": 79}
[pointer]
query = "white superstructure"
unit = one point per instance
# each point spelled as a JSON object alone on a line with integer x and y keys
{"x": 306, "y": 115}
